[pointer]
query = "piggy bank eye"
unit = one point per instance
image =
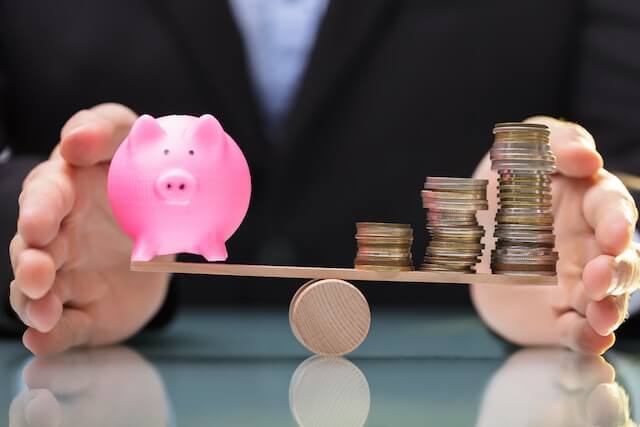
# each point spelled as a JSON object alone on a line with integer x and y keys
{"x": 191, "y": 153}
{"x": 166, "y": 151}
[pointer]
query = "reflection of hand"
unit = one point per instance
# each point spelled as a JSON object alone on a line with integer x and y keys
{"x": 554, "y": 388}
{"x": 73, "y": 283}
{"x": 110, "y": 386}
{"x": 594, "y": 221}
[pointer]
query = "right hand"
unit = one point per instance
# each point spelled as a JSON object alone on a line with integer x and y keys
{"x": 553, "y": 387}
{"x": 73, "y": 285}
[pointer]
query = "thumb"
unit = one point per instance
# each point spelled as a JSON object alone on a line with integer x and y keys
{"x": 93, "y": 136}
{"x": 573, "y": 146}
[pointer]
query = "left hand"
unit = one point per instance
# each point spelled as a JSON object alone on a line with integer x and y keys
{"x": 85, "y": 388}
{"x": 595, "y": 218}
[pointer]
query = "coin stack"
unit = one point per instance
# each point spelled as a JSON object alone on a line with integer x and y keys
{"x": 383, "y": 246}
{"x": 456, "y": 236}
{"x": 524, "y": 223}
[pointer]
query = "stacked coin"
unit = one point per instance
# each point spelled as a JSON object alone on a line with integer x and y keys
{"x": 456, "y": 236}
{"x": 524, "y": 223}
{"x": 383, "y": 246}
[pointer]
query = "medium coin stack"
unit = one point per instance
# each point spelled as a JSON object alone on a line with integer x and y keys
{"x": 524, "y": 223}
{"x": 456, "y": 236}
{"x": 383, "y": 246}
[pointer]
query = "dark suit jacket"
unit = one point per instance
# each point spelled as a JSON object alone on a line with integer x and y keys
{"x": 395, "y": 90}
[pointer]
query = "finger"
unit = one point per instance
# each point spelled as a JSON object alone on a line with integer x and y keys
{"x": 58, "y": 250}
{"x": 44, "y": 313}
{"x": 18, "y": 301}
{"x": 65, "y": 374}
{"x": 608, "y": 405}
{"x": 577, "y": 334}
{"x": 92, "y": 136}
{"x": 73, "y": 330}
{"x": 37, "y": 408}
{"x": 573, "y": 146}
{"x": 579, "y": 299}
{"x": 35, "y": 274}
{"x": 44, "y": 202}
{"x": 600, "y": 277}
{"x": 582, "y": 372}
{"x": 611, "y": 212}
{"x": 41, "y": 314}
{"x": 605, "y": 316}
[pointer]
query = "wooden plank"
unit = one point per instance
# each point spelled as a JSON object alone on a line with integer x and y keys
{"x": 221, "y": 269}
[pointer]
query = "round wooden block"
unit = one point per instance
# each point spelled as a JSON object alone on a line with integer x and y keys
{"x": 329, "y": 317}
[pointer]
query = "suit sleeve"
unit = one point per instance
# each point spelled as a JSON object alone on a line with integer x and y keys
{"x": 607, "y": 86}
{"x": 606, "y": 97}
{"x": 13, "y": 170}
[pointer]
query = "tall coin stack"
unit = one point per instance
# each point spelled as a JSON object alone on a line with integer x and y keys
{"x": 456, "y": 236}
{"x": 383, "y": 246}
{"x": 524, "y": 223}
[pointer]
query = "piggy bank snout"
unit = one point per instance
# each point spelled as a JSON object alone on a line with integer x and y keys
{"x": 176, "y": 186}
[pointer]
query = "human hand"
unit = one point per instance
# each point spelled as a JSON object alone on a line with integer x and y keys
{"x": 87, "y": 387}
{"x": 73, "y": 285}
{"x": 595, "y": 217}
{"x": 554, "y": 388}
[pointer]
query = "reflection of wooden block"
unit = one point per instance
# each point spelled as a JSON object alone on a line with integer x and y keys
{"x": 329, "y": 392}
{"x": 329, "y": 317}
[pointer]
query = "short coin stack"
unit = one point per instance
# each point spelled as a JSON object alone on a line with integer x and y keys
{"x": 524, "y": 223}
{"x": 456, "y": 236}
{"x": 383, "y": 246}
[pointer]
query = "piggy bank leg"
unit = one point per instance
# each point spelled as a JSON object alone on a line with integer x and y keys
{"x": 142, "y": 251}
{"x": 213, "y": 250}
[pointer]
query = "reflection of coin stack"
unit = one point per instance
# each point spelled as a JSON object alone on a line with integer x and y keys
{"x": 524, "y": 223}
{"x": 456, "y": 236}
{"x": 383, "y": 246}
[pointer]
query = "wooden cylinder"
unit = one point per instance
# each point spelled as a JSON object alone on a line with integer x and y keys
{"x": 329, "y": 317}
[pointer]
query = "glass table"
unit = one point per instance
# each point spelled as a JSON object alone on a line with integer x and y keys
{"x": 242, "y": 367}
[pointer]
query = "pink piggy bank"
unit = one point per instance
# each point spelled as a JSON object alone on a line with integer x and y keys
{"x": 179, "y": 184}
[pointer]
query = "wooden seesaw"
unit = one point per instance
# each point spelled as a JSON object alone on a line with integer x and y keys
{"x": 328, "y": 315}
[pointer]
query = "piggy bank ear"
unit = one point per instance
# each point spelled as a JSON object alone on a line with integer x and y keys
{"x": 145, "y": 130}
{"x": 207, "y": 132}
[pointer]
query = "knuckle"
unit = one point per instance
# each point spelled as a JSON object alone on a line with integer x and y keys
{"x": 576, "y": 132}
{"x": 34, "y": 173}
{"x": 79, "y": 118}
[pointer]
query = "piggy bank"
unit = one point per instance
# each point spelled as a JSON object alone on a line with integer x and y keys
{"x": 179, "y": 184}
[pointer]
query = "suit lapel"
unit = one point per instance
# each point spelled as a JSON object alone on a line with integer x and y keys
{"x": 212, "y": 45}
{"x": 209, "y": 40}
{"x": 346, "y": 33}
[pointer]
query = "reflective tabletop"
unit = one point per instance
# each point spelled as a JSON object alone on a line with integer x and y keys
{"x": 228, "y": 367}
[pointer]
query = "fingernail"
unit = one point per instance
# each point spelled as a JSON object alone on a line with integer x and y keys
{"x": 629, "y": 215}
{"x": 625, "y": 274}
{"x": 623, "y": 312}
{"x": 30, "y": 317}
{"x": 24, "y": 316}
{"x": 615, "y": 282}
